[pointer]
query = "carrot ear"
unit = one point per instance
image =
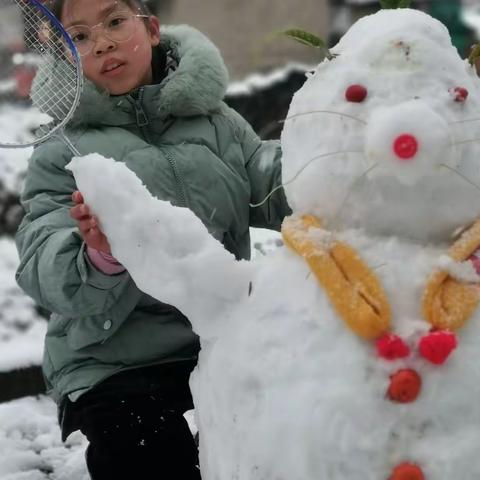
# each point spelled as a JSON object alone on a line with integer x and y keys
{"x": 448, "y": 303}
{"x": 351, "y": 286}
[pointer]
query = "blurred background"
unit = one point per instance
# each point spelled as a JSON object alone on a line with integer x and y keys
{"x": 245, "y": 30}
{"x": 266, "y": 69}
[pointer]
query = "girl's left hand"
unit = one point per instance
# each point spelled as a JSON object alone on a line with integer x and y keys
{"x": 88, "y": 225}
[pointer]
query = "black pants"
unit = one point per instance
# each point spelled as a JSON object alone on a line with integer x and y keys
{"x": 135, "y": 426}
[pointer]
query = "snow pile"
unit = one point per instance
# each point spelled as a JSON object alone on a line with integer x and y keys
{"x": 284, "y": 389}
{"x": 16, "y": 126}
{"x": 257, "y": 81}
{"x": 22, "y": 329}
{"x": 30, "y": 444}
{"x": 264, "y": 241}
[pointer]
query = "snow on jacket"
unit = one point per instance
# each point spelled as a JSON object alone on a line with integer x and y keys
{"x": 187, "y": 147}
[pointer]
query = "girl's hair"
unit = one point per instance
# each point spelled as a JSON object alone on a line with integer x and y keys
{"x": 56, "y": 6}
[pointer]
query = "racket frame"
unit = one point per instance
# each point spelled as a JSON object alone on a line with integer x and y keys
{"x": 79, "y": 71}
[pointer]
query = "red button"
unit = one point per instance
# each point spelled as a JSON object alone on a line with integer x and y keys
{"x": 407, "y": 471}
{"x": 405, "y": 385}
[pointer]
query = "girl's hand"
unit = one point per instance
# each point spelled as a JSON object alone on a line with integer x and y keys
{"x": 88, "y": 225}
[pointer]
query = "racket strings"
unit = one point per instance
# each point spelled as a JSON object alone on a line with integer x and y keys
{"x": 56, "y": 83}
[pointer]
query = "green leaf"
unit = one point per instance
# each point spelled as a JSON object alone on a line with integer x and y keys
{"x": 395, "y": 3}
{"x": 307, "y": 38}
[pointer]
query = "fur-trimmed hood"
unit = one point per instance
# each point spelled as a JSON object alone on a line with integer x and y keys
{"x": 196, "y": 87}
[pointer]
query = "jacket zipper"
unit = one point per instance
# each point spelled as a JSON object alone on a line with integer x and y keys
{"x": 141, "y": 116}
{"x": 142, "y": 123}
{"x": 182, "y": 197}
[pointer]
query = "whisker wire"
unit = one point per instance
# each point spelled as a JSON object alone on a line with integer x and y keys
{"x": 463, "y": 142}
{"x": 461, "y": 175}
{"x": 469, "y": 120}
{"x": 278, "y": 187}
{"x": 323, "y": 111}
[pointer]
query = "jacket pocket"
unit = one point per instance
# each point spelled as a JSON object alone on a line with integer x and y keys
{"x": 92, "y": 330}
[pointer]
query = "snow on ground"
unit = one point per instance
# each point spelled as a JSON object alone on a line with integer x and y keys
{"x": 264, "y": 241}
{"x": 30, "y": 444}
{"x": 21, "y": 327}
{"x": 16, "y": 124}
{"x": 258, "y": 81}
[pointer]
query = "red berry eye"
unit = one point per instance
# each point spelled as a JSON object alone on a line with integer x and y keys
{"x": 460, "y": 94}
{"x": 356, "y": 93}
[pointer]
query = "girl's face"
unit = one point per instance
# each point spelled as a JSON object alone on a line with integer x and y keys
{"x": 117, "y": 67}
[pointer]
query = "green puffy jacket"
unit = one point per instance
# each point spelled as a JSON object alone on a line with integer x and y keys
{"x": 189, "y": 148}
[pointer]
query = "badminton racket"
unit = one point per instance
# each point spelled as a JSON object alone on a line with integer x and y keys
{"x": 40, "y": 72}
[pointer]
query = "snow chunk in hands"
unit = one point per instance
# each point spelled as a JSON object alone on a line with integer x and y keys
{"x": 164, "y": 248}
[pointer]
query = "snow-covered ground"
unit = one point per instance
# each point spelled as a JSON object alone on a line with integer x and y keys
{"x": 30, "y": 444}
{"x": 16, "y": 126}
{"x": 21, "y": 328}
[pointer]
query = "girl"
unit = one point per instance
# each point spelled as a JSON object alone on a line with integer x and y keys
{"x": 116, "y": 360}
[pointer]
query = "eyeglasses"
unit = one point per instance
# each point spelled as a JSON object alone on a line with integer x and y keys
{"x": 117, "y": 27}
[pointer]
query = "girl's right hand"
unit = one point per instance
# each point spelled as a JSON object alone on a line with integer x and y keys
{"x": 88, "y": 225}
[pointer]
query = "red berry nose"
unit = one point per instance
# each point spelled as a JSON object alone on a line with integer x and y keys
{"x": 405, "y": 146}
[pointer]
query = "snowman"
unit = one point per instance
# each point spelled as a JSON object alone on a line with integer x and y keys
{"x": 353, "y": 352}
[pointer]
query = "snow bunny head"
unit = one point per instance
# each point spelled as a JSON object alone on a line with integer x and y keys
{"x": 380, "y": 135}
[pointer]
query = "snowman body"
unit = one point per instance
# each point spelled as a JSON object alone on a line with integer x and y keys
{"x": 290, "y": 392}
{"x": 381, "y": 145}
{"x": 303, "y": 397}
